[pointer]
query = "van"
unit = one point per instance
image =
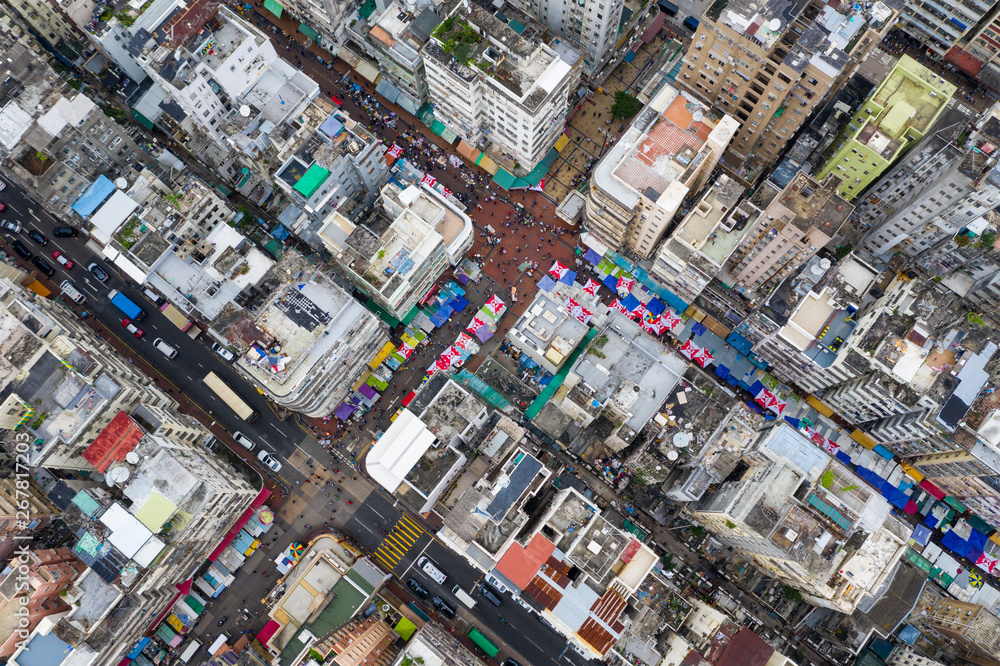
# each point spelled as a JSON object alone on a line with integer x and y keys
{"x": 443, "y": 607}
{"x": 491, "y": 594}
{"x": 244, "y": 441}
{"x": 153, "y": 296}
{"x": 164, "y": 348}
{"x": 668, "y": 8}
{"x": 691, "y": 23}
{"x": 463, "y": 596}
{"x": 72, "y": 292}
{"x": 431, "y": 570}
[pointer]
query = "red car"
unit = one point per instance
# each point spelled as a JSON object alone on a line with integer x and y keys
{"x": 3, "y": 207}
{"x": 61, "y": 258}
{"x": 132, "y": 328}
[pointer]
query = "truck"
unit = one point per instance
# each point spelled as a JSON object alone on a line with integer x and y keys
{"x": 463, "y": 596}
{"x": 178, "y": 319}
{"x": 691, "y": 23}
{"x": 190, "y": 651}
{"x": 126, "y": 305}
{"x": 431, "y": 570}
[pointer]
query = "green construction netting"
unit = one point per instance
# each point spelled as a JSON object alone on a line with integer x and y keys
{"x": 367, "y": 9}
{"x": 274, "y": 7}
{"x": 550, "y": 390}
{"x": 308, "y": 32}
{"x": 485, "y": 391}
{"x": 504, "y": 179}
{"x": 311, "y": 180}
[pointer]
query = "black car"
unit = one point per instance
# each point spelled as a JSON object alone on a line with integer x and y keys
{"x": 64, "y": 232}
{"x": 98, "y": 272}
{"x": 22, "y": 251}
{"x": 37, "y": 237}
{"x": 491, "y": 594}
{"x": 442, "y": 607}
{"x": 511, "y": 662}
{"x": 43, "y": 266}
{"x": 417, "y": 588}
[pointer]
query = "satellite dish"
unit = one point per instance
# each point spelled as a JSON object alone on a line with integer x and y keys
{"x": 118, "y": 475}
{"x": 132, "y": 457}
{"x": 824, "y": 263}
{"x": 697, "y": 116}
{"x": 121, "y": 183}
{"x": 681, "y": 439}
{"x": 774, "y": 24}
{"x": 672, "y": 455}
{"x": 816, "y": 269}
{"x": 245, "y": 110}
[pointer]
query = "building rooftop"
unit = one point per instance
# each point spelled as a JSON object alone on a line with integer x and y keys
{"x": 117, "y": 440}
{"x": 911, "y": 96}
{"x": 660, "y": 147}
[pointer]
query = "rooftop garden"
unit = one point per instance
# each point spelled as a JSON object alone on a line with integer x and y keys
{"x": 458, "y": 39}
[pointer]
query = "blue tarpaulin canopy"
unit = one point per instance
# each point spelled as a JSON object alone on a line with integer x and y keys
{"x": 698, "y": 330}
{"x": 655, "y": 307}
{"x": 611, "y": 282}
{"x": 546, "y": 283}
{"x": 921, "y": 535}
{"x": 569, "y": 277}
{"x": 592, "y": 257}
{"x": 722, "y": 371}
{"x": 94, "y": 196}
{"x": 631, "y": 302}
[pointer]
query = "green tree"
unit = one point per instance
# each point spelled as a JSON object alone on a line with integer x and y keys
{"x": 961, "y": 240}
{"x": 792, "y": 594}
{"x": 625, "y": 106}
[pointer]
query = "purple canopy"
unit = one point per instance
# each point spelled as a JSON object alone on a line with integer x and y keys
{"x": 367, "y": 391}
{"x": 484, "y": 333}
{"x": 344, "y": 411}
{"x": 546, "y": 283}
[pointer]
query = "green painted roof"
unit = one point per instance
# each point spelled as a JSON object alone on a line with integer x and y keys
{"x": 311, "y": 180}
{"x": 366, "y": 9}
{"x": 346, "y": 600}
{"x": 516, "y": 27}
{"x": 360, "y": 581}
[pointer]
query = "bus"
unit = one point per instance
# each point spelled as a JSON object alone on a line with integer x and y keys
{"x": 228, "y": 395}
{"x": 483, "y": 643}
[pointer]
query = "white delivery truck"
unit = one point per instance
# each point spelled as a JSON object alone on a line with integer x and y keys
{"x": 463, "y": 596}
{"x": 190, "y": 651}
{"x": 431, "y": 570}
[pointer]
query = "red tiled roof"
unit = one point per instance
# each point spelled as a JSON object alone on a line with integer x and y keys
{"x": 520, "y": 565}
{"x": 118, "y": 438}
{"x": 746, "y": 649}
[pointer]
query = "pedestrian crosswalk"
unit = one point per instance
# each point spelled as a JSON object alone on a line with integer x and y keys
{"x": 405, "y": 533}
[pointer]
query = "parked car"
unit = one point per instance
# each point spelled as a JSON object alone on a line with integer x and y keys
{"x": 43, "y": 266}
{"x": 37, "y": 236}
{"x": 11, "y": 226}
{"x": 417, "y": 588}
{"x": 132, "y": 328}
{"x": 223, "y": 353}
{"x": 269, "y": 460}
{"x": 244, "y": 441}
{"x": 21, "y": 251}
{"x": 443, "y": 607}
{"x": 98, "y": 272}
{"x": 62, "y": 259}
{"x": 3, "y": 206}
{"x": 64, "y": 232}
{"x": 492, "y": 595}
{"x": 3, "y": 185}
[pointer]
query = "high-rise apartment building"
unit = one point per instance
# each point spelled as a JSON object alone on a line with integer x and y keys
{"x": 940, "y": 26}
{"x": 667, "y": 153}
{"x": 492, "y": 84}
{"x": 589, "y": 25}
{"x": 940, "y": 187}
{"x": 37, "y": 581}
{"x": 976, "y": 629}
{"x": 769, "y": 73}
{"x": 397, "y": 254}
{"x": 803, "y": 218}
{"x": 898, "y": 114}
{"x": 57, "y": 24}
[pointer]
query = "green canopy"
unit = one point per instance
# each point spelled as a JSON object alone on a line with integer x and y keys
{"x": 274, "y": 7}
{"x": 308, "y": 32}
{"x": 438, "y": 127}
{"x": 504, "y": 178}
{"x": 311, "y": 180}
{"x": 142, "y": 120}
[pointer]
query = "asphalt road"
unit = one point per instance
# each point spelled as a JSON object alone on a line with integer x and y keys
{"x": 513, "y": 627}
{"x": 194, "y": 360}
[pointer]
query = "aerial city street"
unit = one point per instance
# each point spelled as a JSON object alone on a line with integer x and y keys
{"x": 535, "y": 333}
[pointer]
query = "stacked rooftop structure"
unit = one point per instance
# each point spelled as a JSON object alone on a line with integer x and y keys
{"x": 315, "y": 342}
{"x": 667, "y": 153}
{"x": 397, "y": 253}
{"x": 899, "y": 113}
{"x": 771, "y": 509}
{"x": 493, "y": 85}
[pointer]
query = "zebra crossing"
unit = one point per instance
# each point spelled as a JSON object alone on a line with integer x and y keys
{"x": 398, "y": 542}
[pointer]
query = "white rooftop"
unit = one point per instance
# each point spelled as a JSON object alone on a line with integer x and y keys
{"x": 398, "y": 450}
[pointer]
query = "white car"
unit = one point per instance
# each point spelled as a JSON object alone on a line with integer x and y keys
{"x": 223, "y": 353}
{"x": 269, "y": 460}
{"x": 3, "y": 185}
